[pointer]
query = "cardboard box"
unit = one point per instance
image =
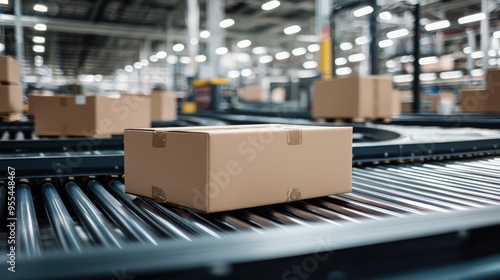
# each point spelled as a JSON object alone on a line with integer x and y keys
{"x": 9, "y": 70}
{"x": 386, "y": 100}
{"x": 252, "y": 93}
{"x": 163, "y": 106}
{"x": 11, "y": 98}
{"x": 213, "y": 169}
{"x": 436, "y": 100}
{"x": 479, "y": 101}
{"x": 492, "y": 78}
{"x": 89, "y": 115}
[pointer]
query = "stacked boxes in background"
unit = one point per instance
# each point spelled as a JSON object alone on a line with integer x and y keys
{"x": 11, "y": 91}
{"x": 89, "y": 115}
{"x": 163, "y": 105}
{"x": 443, "y": 102}
{"x": 355, "y": 97}
{"x": 483, "y": 100}
{"x": 252, "y": 93}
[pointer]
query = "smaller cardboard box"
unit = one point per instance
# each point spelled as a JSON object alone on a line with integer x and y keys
{"x": 9, "y": 70}
{"x": 163, "y": 106}
{"x": 252, "y": 93}
{"x": 11, "y": 98}
{"x": 479, "y": 101}
{"x": 492, "y": 78}
{"x": 212, "y": 169}
{"x": 386, "y": 99}
{"x": 436, "y": 100}
{"x": 89, "y": 115}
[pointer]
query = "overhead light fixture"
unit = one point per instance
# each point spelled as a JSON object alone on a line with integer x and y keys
{"x": 40, "y": 27}
{"x": 137, "y": 65}
{"x": 200, "y": 58}
{"x": 398, "y": 33}
{"x": 40, "y": 8}
{"x": 266, "y": 59}
{"x": 437, "y": 25}
{"x": 292, "y": 29}
{"x": 451, "y": 75}
{"x": 428, "y": 60}
{"x": 246, "y": 72}
{"x": 361, "y": 40}
{"x": 153, "y": 58}
{"x": 385, "y": 16}
{"x": 313, "y": 48}
{"x": 477, "y": 72}
{"x": 38, "y": 61}
{"x": 98, "y": 78}
{"x": 477, "y": 54}
{"x": 193, "y": 41}
{"x": 128, "y": 68}
{"x": 270, "y": 5}
{"x": 161, "y": 54}
{"x": 363, "y": 11}
{"x": 492, "y": 61}
{"x": 4, "y": 2}
{"x": 391, "y": 63}
{"x": 356, "y": 57}
{"x": 172, "y": 59}
{"x": 340, "y": 61}
{"x": 259, "y": 50}
{"x": 38, "y": 39}
{"x": 496, "y": 34}
{"x": 299, "y": 51}
{"x": 472, "y": 18}
{"x": 244, "y": 44}
{"x": 467, "y": 50}
{"x": 282, "y": 55}
{"x": 226, "y": 23}
{"x": 402, "y": 78}
{"x": 185, "y": 59}
{"x": 426, "y": 77}
{"x": 304, "y": 74}
{"x": 345, "y": 46}
{"x": 307, "y": 38}
{"x": 178, "y": 47}
{"x": 38, "y": 48}
{"x": 343, "y": 71}
{"x": 221, "y": 50}
{"x": 233, "y": 74}
{"x": 145, "y": 62}
{"x": 385, "y": 43}
{"x": 204, "y": 34}
{"x": 310, "y": 64}
{"x": 492, "y": 53}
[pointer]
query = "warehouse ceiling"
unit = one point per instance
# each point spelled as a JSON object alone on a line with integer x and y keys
{"x": 101, "y": 36}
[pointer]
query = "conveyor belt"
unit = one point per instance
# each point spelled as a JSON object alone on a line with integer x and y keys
{"x": 94, "y": 215}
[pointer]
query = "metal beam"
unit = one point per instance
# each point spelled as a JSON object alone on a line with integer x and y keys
{"x": 416, "y": 55}
{"x": 19, "y": 32}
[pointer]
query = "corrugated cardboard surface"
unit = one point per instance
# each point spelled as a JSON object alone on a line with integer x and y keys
{"x": 11, "y": 98}
{"x": 213, "y": 169}
{"x": 90, "y": 115}
{"x": 9, "y": 70}
{"x": 163, "y": 106}
{"x": 479, "y": 101}
{"x": 252, "y": 93}
{"x": 386, "y": 102}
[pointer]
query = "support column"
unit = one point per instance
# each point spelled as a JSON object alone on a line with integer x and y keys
{"x": 193, "y": 26}
{"x": 215, "y": 14}
{"x": 485, "y": 38}
{"x": 471, "y": 41}
{"x": 416, "y": 55}
{"x": 19, "y": 32}
{"x": 374, "y": 38}
{"x": 322, "y": 28}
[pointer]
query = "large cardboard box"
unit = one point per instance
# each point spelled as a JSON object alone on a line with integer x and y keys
{"x": 9, "y": 70}
{"x": 386, "y": 100}
{"x": 479, "y": 101}
{"x": 213, "y": 169}
{"x": 89, "y": 115}
{"x": 252, "y": 93}
{"x": 163, "y": 106}
{"x": 11, "y": 98}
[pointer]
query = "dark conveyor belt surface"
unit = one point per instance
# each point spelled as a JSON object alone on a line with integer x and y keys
{"x": 93, "y": 215}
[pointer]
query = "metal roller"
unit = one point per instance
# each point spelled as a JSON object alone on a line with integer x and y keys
{"x": 28, "y": 233}
{"x": 3, "y": 197}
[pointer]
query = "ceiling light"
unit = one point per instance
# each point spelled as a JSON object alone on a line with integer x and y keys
{"x": 233, "y": 74}
{"x": 244, "y": 43}
{"x": 492, "y": 53}
{"x": 467, "y": 50}
{"x": 310, "y": 64}
{"x": 153, "y": 58}
{"x": 145, "y": 62}
{"x": 292, "y": 29}
{"x": 428, "y": 60}
{"x": 492, "y": 61}
{"x": 98, "y": 78}
{"x": 385, "y": 43}
{"x": 38, "y": 39}
{"x": 313, "y": 48}
{"x": 340, "y": 61}
{"x": 391, "y": 64}
{"x": 407, "y": 58}
{"x": 398, "y": 33}
{"x": 402, "y": 78}
{"x": 437, "y": 25}
{"x": 496, "y": 34}
{"x": 185, "y": 60}
{"x": 128, "y": 68}
{"x": 477, "y": 72}
{"x": 361, "y": 40}
{"x": 200, "y": 58}
{"x": 172, "y": 59}
{"x": 226, "y": 23}
{"x": 221, "y": 50}
{"x": 40, "y": 27}
{"x": 161, "y": 54}
{"x": 385, "y": 16}
{"x": 178, "y": 47}
{"x": 299, "y": 51}
{"x": 137, "y": 65}
{"x": 428, "y": 77}
{"x": 246, "y": 72}
{"x": 451, "y": 75}
{"x": 304, "y": 74}
{"x": 356, "y": 57}
{"x": 343, "y": 71}
{"x": 363, "y": 11}
{"x": 38, "y": 61}
{"x": 477, "y": 54}
{"x": 259, "y": 50}
{"x": 345, "y": 46}
{"x": 38, "y": 48}
{"x": 307, "y": 38}
{"x": 472, "y": 18}
{"x": 204, "y": 34}
{"x": 266, "y": 59}
{"x": 270, "y": 5}
{"x": 282, "y": 55}
{"x": 5, "y": 2}
{"x": 193, "y": 41}
{"x": 40, "y": 8}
